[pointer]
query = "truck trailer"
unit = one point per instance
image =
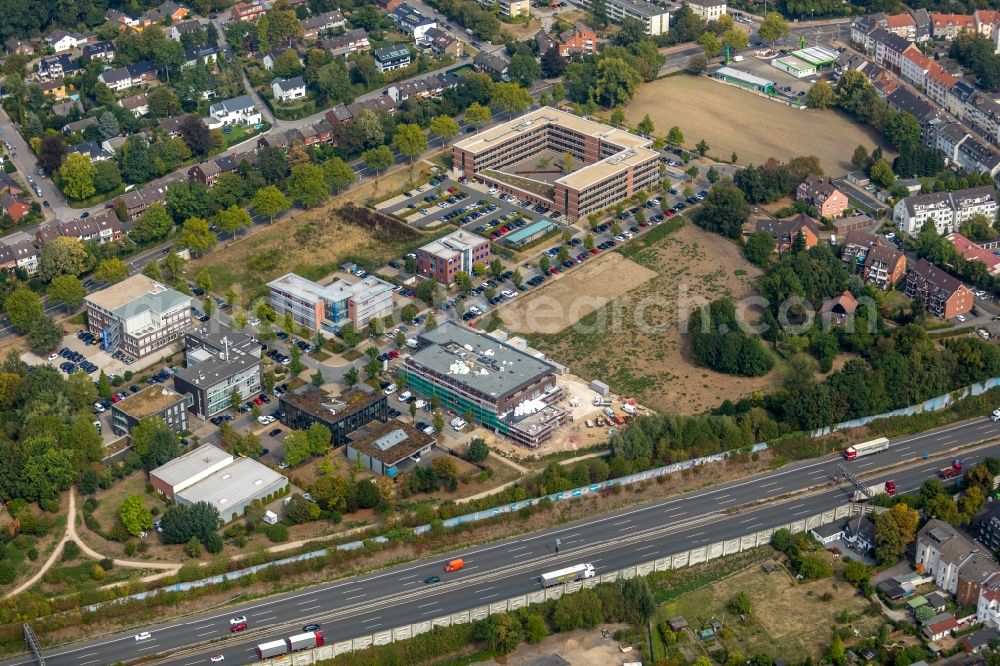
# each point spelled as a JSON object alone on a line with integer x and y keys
{"x": 294, "y": 643}
{"x": 272, "y": 649}
{"x": 866, "y": 448}
{"x": 567, "y": 575}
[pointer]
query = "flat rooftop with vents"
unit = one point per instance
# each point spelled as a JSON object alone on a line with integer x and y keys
{"x": 506, "y": 389}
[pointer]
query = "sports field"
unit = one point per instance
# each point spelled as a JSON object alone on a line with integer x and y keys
{"x": 732, "y": 120}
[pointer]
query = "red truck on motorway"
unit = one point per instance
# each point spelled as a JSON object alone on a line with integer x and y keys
{"x": 951, "y": 472}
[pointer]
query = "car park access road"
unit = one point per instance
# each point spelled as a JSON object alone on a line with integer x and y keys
{"x": 396, "y": 596}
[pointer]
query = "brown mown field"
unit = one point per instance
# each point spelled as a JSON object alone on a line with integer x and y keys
{"x": 733, "y": 120}
{"x": 633, "y": 342}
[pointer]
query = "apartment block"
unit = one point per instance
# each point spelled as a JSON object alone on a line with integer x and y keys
{"x": 947, "y": 210}
{"x": 942, "y": 295}
{"x": 655, "y": 18}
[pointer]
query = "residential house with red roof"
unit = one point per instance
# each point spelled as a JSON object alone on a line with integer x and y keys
{"x": 827, "y": 199}
{"x": 972, "y": 252}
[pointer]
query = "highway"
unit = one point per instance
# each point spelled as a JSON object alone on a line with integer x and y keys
{"x": 397, "y": 596}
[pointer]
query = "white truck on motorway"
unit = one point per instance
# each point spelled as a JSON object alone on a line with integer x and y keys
{"x": 567, "y": 575}
{"x": 866, "y": 448}
{"x": 272, "y": 649}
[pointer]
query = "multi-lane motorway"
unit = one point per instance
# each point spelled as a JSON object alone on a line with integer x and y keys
{"x": 397, "y": 596}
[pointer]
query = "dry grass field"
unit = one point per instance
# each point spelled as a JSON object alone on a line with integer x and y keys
{"x": 634, "y": 342}
{"x": 569, "y": 297}
{"x": 312, "y": 243}
{"x": 732, "y": 120}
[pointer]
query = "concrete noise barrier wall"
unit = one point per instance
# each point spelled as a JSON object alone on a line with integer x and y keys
{"x": 674, "y": 561}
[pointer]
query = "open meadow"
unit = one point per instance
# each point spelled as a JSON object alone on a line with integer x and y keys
{"x": 732, "y": 120}
{"x": 624, "y": 328}
{"x": 789, "y": 620}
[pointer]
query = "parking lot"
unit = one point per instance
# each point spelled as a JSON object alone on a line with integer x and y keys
{"x": 785, "y": 84}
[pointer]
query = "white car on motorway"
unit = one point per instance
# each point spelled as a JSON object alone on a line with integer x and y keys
{"x": 216, "y": 658}
{"x": 143, "y": 636}
{"x": 239, "y": 619}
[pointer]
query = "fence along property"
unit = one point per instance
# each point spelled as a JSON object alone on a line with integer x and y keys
{"x": 675, "y": 561}
{"x": 933, "y": 404}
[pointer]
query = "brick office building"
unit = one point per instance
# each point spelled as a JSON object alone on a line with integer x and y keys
{"x": 615, "y": 163}
{"x": 459, "y": 251}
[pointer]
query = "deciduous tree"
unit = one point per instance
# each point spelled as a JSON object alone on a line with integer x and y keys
{"x": 134, "y": 515}
{"x": 77, "y": 173}
{"x": 196, "y": 236}
{"x": 409, "y": 139}
{"x": 270, "y": 201}
{"x": 111, "y": 271}
{"x": 66, "y": 290}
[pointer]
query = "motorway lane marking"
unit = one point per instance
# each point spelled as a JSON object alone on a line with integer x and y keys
{"x": 207, "y": 633}
{"x": 733, "y": 499}
{"x": 648, "y": 547}
{"x": 510, "y": 550}
{"x": 623, "y": 522}
{"x": 491, "y": 587}
{"x": 695, "y": 534}
{"x": 748, "y": 520}
{"x": 545, "y": 535}
{"x": 765, "y": 485}
{"x": 522, "y": 555}
{"x": 93, "y": 661}
{"x": 194, "y": 629}
{"x": 721, "y": 496}
{"x": 354, "y": 597}
{"x": 490, "y": 596}
{"x": 433, "y": 603}
{"x": 409, "y": 577}
{"x": 312, "y": 607}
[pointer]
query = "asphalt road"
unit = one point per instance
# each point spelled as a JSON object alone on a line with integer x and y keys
{"x": 397, "y": 596}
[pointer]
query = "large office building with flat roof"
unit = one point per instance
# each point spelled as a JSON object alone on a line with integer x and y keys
{"x": 219, "y": 361}
{"x": 614, "y": 164}
{"x": 506, "y": 389}
{"x": 138, "y": 316}
{"x": 327, "y": 308}
{"x": 459, "y": 251}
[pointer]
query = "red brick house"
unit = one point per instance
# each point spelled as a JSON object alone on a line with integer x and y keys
{"x": 827, "y": 199}
{"x": 578, "y": 42}
{"x": 247, "y": 11}
{"x": 942, "y": 295}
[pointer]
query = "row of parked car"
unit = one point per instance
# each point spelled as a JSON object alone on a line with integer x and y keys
{"x": 74, "y": 361}
{"x": 278, "y": 357}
